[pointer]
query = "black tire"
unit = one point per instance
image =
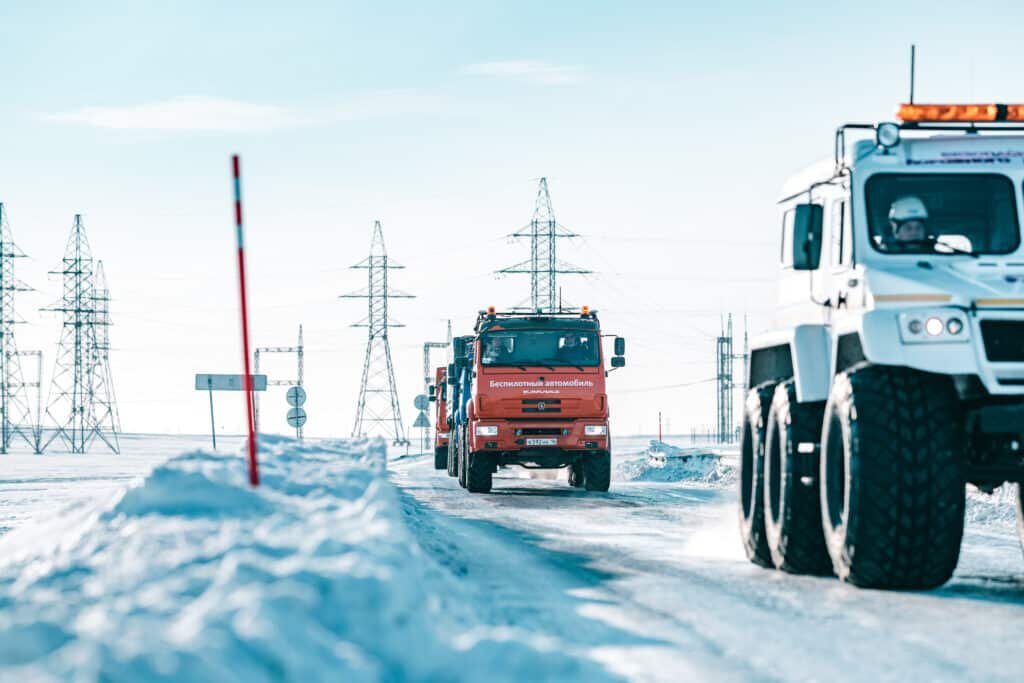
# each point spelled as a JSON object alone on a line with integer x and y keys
{"x": 576, "y": 476}
{"x": 892, "y": 478}
{"x": 479, "y": 471}
{"x": 452, "y": 461}
{"x": 792, "y": 501}
{"x": 440, "y": 457}
{"x": 461, "y": 460}
{"x": 751, "y": 479}
{"x": 597, "y": 471}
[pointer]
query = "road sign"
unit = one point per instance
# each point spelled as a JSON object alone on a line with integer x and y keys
{"x": 296, "y": 417}
{"x": 421, "y": 421}
{"x": 296, "y": 396}
{"x": 229, "y": 382}
{"x": 420, "y": 402}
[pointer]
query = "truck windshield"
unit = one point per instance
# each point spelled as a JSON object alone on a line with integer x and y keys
{"x": 942, "y": 213}
{"x": 540, "y": 347}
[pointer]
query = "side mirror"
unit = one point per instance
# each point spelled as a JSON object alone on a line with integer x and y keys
{"x": 620, "y": 346}
{"x": 459, "y": 352}
{"x": 431, "y": 393}
{"x": 807, "y": 226}
{"x": 452, "y": 379}
{"x": 618, "y": 362}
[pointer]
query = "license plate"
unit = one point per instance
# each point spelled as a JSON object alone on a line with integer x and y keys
{"x": 542, "y": 442}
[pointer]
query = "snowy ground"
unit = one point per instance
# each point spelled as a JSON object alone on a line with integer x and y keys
{"x": 337, "y": 569}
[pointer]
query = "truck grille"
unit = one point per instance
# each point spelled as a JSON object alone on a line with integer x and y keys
{"x": 534, "y": 405}
{"x": 1004, "y": 340}
{"x": 540, "y": 431}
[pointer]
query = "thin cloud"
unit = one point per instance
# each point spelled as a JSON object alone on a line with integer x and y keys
{"x": 530, "y": 71}
{"x": 218, "y": 114}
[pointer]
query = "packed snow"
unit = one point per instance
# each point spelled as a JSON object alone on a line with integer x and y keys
{"x": 342, "y": 566}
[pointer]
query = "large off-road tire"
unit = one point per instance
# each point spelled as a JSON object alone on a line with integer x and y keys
{"x": 576, "y": 476}
{"x": 479, "y": 471}
{"x": 792, "y": 502}
{"x": 892, "y": 477}
{"x": 440, "y": 457}
{"x": 751, "y": 479}
{"x": 597, "y": 471}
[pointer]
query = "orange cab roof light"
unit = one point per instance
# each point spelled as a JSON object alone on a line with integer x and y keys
{"x": 491, "y": 310}
{"x": 585, "y": 310}
{"x": 960, "y": 113}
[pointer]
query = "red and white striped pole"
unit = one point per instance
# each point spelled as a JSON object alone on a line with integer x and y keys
{"x": 254, "y": 473}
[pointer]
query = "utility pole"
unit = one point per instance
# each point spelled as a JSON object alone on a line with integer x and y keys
{"x": 378, "y": 398}
{"x": 725, "y": 381}
{"x": 299, "y": 353}
{"x": 15, "y": 408}
{"x": 81, "y": 404}
{"x": 543, "y": 266}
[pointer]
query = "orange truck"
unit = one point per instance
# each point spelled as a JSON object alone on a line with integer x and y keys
{"x": 439, "y": 396}
{"x": 529, "y": 390}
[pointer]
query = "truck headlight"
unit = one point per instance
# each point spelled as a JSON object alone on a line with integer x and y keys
{"x": 487, "y": 430}
{"x": 595, "y": 430}
{"x": 933, "y": 327}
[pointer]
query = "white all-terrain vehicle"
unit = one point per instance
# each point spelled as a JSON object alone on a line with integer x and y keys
{"x": 894, "y": 373}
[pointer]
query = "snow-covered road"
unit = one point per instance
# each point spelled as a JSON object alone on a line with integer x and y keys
{"x": 651, "y": 581}
{"x": 150, "y": 567}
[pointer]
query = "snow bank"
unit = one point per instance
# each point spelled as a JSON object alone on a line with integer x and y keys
{"x": 998, "y": 509}
{"x": 665, "y": 463}
{"x": 193, "y": 575}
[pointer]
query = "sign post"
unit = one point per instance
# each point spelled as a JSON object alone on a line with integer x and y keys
{"x": 212, "y": 383}
{"x": 296, "y": 396}
{"x": 254, "y": 474}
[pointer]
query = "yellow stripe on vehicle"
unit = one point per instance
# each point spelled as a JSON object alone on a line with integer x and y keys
{"x": 999, "y": 303}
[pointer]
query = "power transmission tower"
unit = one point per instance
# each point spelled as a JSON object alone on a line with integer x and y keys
{"x": 299, "y": 352}
{"x": 543, "y": 267}
{"x": 81, "y": 404}
{"x": 16, "y": 418}
{"x": 726, "y": 384}
{"x": 378, "y": 398}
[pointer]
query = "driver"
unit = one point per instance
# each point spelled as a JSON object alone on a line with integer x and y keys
{"x": 497, "y": 349}
{"x": 572, "y": 349}
{"x": 908, "y": 217}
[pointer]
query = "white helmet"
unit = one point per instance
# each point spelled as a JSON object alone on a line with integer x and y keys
{"x": 907, "y": 208}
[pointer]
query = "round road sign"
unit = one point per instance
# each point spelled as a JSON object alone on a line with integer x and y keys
{"x": 296, "y": 396}
{"x": 296, "y": 417}
{"x": 420, "y": 402}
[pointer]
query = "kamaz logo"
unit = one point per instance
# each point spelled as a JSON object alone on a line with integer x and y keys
{"x": 542, "y": 406}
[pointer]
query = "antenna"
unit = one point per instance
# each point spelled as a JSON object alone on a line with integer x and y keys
{"x": 913, "y": 68}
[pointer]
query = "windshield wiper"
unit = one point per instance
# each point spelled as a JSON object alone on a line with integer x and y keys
{"x": 559, "y": 360}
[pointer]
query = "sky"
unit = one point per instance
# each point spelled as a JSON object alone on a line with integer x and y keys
{"x": 665, "y": 132}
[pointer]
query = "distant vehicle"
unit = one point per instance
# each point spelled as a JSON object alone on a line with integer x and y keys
{"x": 439, "y": 395}
{"x": 895, "y": 372}
{"x": 529, "y": 389}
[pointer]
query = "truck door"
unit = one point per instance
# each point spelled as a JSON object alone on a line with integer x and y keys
{"x": 845, "y": 287}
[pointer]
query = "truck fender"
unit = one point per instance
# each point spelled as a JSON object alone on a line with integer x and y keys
{"x": 812, "y": 362}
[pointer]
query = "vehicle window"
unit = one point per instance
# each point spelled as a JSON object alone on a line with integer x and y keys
{"x": 540, "y": 347}
{"x": 942, "y": 213}
{"x": 786, "y": 256}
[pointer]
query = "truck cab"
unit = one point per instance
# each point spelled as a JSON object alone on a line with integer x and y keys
{"x": 438, "y": 394}
{"x": 893, "y": 374}
{"x": 532, "y": 393}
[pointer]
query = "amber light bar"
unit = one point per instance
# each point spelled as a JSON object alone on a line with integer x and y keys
{"x": 960, "y": 113}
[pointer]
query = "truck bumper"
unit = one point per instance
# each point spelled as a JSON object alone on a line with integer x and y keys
{"x": 545, "y": 440}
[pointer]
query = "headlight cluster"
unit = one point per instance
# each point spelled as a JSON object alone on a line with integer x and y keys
{"x": 487, "y": 430}
{"x": 928, "y": 327}
{"x": 595, "y": 430}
